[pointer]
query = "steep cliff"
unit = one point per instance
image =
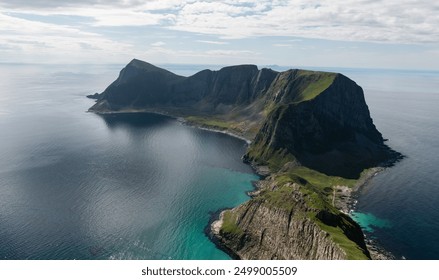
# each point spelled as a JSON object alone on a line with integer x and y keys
{"x": 309, "y": 129}
{"x": 289, "y": 220}
{"x": 327, "y": 128}
{"x": 142, "y": 85}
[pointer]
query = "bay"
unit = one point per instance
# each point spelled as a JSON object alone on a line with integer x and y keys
{"x": 75, "y": 185}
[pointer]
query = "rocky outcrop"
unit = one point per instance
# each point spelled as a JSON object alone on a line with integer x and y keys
{"x": 264, "y": 228}
{"x": 275, "y": 234}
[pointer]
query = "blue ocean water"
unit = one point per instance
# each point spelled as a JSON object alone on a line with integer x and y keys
{"x": 404, "y": 106}
{"x": 77, "y": 185}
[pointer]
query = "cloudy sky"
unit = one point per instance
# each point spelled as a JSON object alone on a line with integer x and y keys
{"x": 399, "y": 34}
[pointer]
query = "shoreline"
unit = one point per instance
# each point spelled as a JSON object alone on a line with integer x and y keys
{"x": 213, "y": 227}
{"x": 376, "y": 250}
{"x": 180, "y": 119}
{"x": 345, "y": 204}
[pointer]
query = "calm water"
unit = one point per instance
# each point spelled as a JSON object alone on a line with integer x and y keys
{"x": 74, "y": 185}
{"x": 400, "y": 207}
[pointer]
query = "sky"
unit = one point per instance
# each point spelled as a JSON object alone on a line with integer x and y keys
{"x": 391, "y": 34}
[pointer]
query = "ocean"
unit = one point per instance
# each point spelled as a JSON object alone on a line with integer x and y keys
{"x": 399, "y": 208}
{"x": 75, "y": 185}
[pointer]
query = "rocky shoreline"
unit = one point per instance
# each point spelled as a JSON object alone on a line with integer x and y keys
{"x": 347, "y": 203}
{"x": 181, "y": 119}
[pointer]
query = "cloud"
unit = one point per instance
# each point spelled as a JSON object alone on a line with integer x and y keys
{"x": 395, "y": 21}
{"x": 87, "y": 46}
{"x": 403, "y": 21}
{"x": 117, "y": 30}
{"x": 236, "y": 53}
{"x": 40, "y": 41}
{"x": 158, "y": 44}
{"x": 213, "y": 42}
{"x": 282, "y": 45}
{"x": 45, "y": 4}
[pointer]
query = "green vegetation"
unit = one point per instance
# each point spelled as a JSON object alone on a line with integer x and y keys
{"x": 312, "y": 185}
{"x": 279, "y": 158}
{"x": 316, "y": 83}
{"x": 275, "y": 160}
{"x": 278, "y": 198}
{"x": 321, "y": 180}
{"x": 229, "y": 225}
{"x": 352, "y": 250}
{"x": 211, "y": 122}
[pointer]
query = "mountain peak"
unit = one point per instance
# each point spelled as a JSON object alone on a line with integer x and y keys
{"x": 143, "y": 65}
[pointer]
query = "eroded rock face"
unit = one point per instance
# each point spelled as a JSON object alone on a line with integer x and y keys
{"x": 141, "y": 85}
{"x": 332, "y": 133}
{"x": 263, "y": 230}
{"x": 274, "y": 234}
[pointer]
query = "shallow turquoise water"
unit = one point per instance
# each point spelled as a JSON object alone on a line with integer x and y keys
{"x": 369, "y": 222}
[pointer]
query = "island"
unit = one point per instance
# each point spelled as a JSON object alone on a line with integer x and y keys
{"x": 311, "y": 138}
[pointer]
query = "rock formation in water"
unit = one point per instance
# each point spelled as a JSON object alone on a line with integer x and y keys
{"x": 297, "y": 120}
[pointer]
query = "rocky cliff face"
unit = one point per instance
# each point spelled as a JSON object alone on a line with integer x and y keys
{"x": 307, "y": 126}
{"x": 281, "y": 223}
{"x": 332, "y": 132}
{"x": 142, "y": 85}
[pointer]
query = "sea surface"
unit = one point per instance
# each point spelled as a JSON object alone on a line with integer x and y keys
{"x": 399, "y": 207}
{"x": 75, "y": 185}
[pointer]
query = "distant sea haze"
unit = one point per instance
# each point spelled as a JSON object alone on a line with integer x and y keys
{"x": 75, "y": 185}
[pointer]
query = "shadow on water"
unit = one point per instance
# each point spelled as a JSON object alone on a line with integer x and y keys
{"x": 134, "y": 120}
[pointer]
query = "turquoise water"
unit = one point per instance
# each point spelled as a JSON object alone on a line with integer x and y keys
{"x": 369, "y": 222}
{"x": 75, "y": 185}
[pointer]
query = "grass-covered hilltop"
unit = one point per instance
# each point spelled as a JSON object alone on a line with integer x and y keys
{"x": 311, "y": 136}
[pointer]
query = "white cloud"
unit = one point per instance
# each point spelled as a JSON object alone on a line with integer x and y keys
{"x": 86, "y": 29}
{"x": 158, "y": 44}
{"x": 282, "y": 45}
{"x": 57, "y": 42}
{"x": 236, "y": 53}
{"x": 213, "y": 42}
{"x": 405, "y": 21}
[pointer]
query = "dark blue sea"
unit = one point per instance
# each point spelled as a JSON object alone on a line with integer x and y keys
{"x": 400, "y": 206}
{"x": 75, "y": 185}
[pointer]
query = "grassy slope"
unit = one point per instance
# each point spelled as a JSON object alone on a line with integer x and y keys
{"x": 316, "y": 198}
{"x": 214, "y": 123}
{"x": 317, "y": 188}
{"x": 315, "y": 83}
